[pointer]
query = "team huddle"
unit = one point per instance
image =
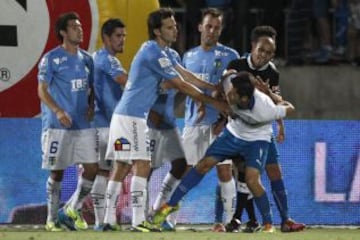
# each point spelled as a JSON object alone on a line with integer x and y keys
{"x": 114, "y": 122}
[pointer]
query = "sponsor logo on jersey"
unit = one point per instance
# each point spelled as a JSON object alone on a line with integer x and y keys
{"x": 58, "y": 61}
{"x": 164, "y": 62}
{"x": 220, "y": 53}
{"x": 78, "y": 85}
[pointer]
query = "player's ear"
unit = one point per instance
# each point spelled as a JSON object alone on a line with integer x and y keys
{"x": 200, "y": 27}
{"x": 63, "y": 33}
{"x": 157, "y": 32}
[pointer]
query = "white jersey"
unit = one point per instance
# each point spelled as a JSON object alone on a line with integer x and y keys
{"x": 255, "y": 123}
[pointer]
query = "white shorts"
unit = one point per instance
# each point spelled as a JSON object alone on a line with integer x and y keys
{"x": 166, "y": 145}
{"x": 102, "y": 137}
{"x": 196, "y": 140}
{"x": 128, "y": 139}
{"x": 63, "y": 148}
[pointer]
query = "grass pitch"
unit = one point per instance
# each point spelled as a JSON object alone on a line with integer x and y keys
{"x": 183, "y": 233}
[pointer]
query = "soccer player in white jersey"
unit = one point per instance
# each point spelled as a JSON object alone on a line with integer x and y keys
{"x": 258, "y": 62}
{"x": 66, "y": 93}
{"x": 129, "y": 144}
{"x": 208, "y": 61}
{"x": 109, "y": 79}
{"x": 248, "y": 134}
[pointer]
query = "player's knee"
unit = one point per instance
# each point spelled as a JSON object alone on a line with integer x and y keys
{"x": 178, "y": 168}
{"x": 205, "y": 164}
{"x": 273, "y": 171}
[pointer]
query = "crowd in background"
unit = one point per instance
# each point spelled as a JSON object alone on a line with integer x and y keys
{"x": 309, "y": 31}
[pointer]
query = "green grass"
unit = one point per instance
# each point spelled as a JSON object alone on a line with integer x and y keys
{"x": 308, "y": 234}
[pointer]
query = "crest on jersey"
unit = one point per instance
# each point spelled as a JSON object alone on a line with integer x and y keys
{"x": 122, "y": 144}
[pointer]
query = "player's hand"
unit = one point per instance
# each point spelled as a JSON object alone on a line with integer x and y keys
{"x": 262, "y": 85}
{"x": 63, "y": 118}
{"x": 219, "y": 125}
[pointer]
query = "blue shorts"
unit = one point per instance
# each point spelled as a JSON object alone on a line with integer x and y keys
{"x": 273, "y": 153}
{"x": 227, "y": 146}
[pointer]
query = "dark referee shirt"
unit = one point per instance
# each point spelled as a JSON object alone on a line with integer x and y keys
{"x": 268, "y": 71}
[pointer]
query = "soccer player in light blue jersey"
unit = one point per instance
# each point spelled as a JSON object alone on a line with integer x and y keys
{"x": 166, "y": 146}
{"x": 129, "y": 145}
{"x": 208, "y": 61}
{"x": 248, "y": 133}
{"x": 66, "y": 92}
{"x": 109, "y": 79}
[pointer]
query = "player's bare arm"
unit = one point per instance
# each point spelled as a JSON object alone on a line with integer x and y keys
{"x": 196, "y": 93}
{"x": 190, "y": 77}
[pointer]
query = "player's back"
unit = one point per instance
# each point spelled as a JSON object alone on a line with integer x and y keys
{"x": 255, "y": 123}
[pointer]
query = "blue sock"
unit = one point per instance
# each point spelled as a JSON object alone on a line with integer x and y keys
{"x": 189, "y": 181}
{"x": 280, "y": 197}
{"x": 263, "y": 204}
{"x": 219, "y": 207}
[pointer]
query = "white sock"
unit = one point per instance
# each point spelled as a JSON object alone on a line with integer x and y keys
{"x": 83, "y": 188}
{"x": 228, "y": 194}
{"x": 112, "y": 197}
{"x": 168, "y": 185}
{"x": 98, "y": 198}
{"x": 138, "y": 199}
{"x": 53, "y": 190}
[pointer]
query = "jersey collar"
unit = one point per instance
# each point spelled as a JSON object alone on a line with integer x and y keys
{"x": 251, "y": 65}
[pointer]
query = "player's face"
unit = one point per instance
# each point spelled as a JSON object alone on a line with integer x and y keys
{"x": 262, "y": 51}
{"x": 210, "y": 29}
{"x": 116, "y": 41}
{"x": 233, "y": 98}
{"x": 74, "y": 32}
{"x": 168, "y": 31}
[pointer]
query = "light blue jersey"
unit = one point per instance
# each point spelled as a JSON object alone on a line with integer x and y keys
{"x": 107, "y": 91}
{"x": 150, "y": 66}
{"x": 164, "y": 104}
{"x": 209, "y": 66}
{"x": 69, "y": 78}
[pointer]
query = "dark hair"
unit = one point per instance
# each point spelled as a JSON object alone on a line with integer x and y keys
{"x": 263, "y": 31}
{"x": 155, "y": 18}
{"x": 62, "y": 22}
{"x": 243, "y": 85}
{"x": 110, "y": 25}
{"x": 213, "y": 12}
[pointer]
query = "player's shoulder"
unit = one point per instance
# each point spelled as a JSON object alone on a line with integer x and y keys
{"x": 149, "y": 49}
{"x": 237, "y": 64}
{"x": 55, "y": 52}
{"x": 191, "y": 51}
{"x": 273, "y": 69}
{"x": 174, "y": 53}
{"x": 273, "y": 66}
{"x": 227, "y": 49}
{"x": 85, "y": 53}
